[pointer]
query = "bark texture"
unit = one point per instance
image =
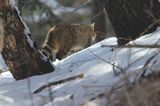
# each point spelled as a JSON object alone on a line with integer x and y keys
{"x": 22, "y": 57}
{"x": 1, "y": 34}
{"x": 132, "y": 18}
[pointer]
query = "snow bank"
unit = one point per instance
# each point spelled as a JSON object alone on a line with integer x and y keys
{"x": 103, "y": 68}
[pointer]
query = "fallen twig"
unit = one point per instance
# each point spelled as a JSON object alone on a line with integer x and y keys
{"x": 132, "y": 46}
{"x": 58, "y": 82}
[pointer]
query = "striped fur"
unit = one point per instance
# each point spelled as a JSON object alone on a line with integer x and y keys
{"x": 63, "y": 40}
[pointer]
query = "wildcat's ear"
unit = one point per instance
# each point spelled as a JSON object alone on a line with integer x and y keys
{"x": 92, "y": 25}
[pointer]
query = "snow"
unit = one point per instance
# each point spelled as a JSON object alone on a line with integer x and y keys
{"x": 12, "y": 3}
{"x": 3, "y": 65}
{"x": 103, "y": 68}
{"x": 6, "y": 77}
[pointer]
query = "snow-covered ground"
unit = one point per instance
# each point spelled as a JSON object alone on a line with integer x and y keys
{"x": 102, "y": 67}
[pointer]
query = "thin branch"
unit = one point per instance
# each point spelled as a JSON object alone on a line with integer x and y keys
{"x": 147, "y": 64}
{"x": 82, "y": 5}
{"x": 81, "y": 75}
{"x": 150, "y": 26}
{"x": 113, "y": 64}
{"x": 132, "y": 46}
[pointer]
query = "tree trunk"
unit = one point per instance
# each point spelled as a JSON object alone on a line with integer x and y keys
{"x": 20, "y": 51}
{"x": 1, "y": 34}
{"x": 99, "y": 18}
{"x": 132, "y": 18}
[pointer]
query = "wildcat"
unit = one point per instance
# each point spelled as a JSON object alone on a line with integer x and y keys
{"x": 65, "y": 39}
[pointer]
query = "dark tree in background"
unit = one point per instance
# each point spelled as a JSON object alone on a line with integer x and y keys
{"x": 20, "y": 52}
{"x": 99, "y": 18}
{"x": 132, "y": 18}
